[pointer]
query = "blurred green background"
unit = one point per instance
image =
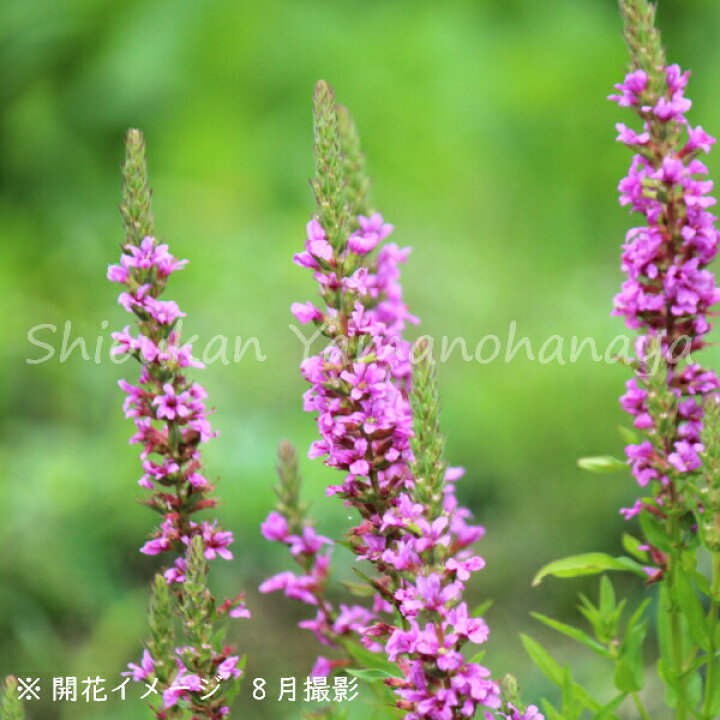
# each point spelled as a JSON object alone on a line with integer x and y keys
{"x": 491, "y": 144}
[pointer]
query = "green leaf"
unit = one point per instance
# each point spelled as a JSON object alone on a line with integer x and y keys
{"x": 602, "y": 464}
{"x": 692, "y": 610}
{"x": 555, "y": 673}
{"x": 607, "y": 603}
{"x": 591, "y": 614}
{"x": 630, "y": 436}
{"x": 655, "y": 532}
{"x": 369, "y": 675}
{"x": 637, "y": 616}
{"x": 587, "y": 564}
{"x": 670, "y": 681}
{"x": 629, "y": 672}
{"x": 701, "y": 582}
{"x": 550, "y": 712}
{"x": 478, "y": 657}
{"x": 547, "y": 665}
{"x": 574, "y": 633}
{"x": 366, "y": 578}
{"x": 715, "y": 700}
{"x": 482, "y": 608}
{"x": 632, "y": 546}
{"x": 359, "y": 589}
{"x": 369, "y": 660}
{"x": 571, "y": 708}
{"x": 607, "y": 712}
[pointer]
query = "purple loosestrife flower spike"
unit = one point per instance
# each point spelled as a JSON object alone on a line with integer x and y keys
{"x": 289, "y": 525}
{"x": 414, "y": 534}
{"x": 669, "y": 293}
{"x": 12, "y": 706}
{"x": 288, "y": 490}
{"x": 668, "y": 297}
{"x": 707, "y": 494}
{"x": 172, "y": 425}
{"x": 159, "y": 658}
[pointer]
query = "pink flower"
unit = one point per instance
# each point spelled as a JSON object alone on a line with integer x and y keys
{"x": 630, "y": 137}
{"x": 156, "y": 546}
{"x": 181, "y": 686}
{"x": 216, "y": 542}
{"x": 118, "y": 274}
{"x": 308, "y": 543}
{"x": 240, "y": 611}
{"x": 305, "y": 312}
{"x": 634, "y": 85}
{"x": 322, "y": 667}
{"x": 172, "y": 405}
{"x": 166, "y": 312}
{"x": 228, "y": 668}
{"x": 685, "y": 458}
{"x": 699, "y": 139}
{"x": 474, "y": 629}
{"x": 316, "y": 244}
{"x": 275, "y": 527}
{"x": 176, "y": 574}
{"x": 144, "y": 671}
{"x": 463, "y": 568}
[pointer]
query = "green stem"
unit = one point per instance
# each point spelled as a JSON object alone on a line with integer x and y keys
{"x": 681, "y": 711}
{"x": 644, "y": 714}
{"x": 710, "y": 677}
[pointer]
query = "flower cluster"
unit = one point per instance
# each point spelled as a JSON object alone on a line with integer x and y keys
{"x": 186, "y": 682}
{"x": 669, "y": 293}
{"x": 171, "y": 421}
{"x": 532, "y": 713}
{"x": 168, "y": 409}
{"x": 419, "y": 549}
{"x": 330, "y": 624}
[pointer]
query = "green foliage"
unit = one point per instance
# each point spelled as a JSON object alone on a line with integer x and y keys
{"x": 620, "y": 643}
{"x": 575, "y": 697}
{"x": 370, "y": 661}
{"x": 587, "y": 564}
{"x": 656, "y": 531}
{"x": 373, "y": 669}
{"x": 574, "y": 633}
{"x": 602, "y": 464}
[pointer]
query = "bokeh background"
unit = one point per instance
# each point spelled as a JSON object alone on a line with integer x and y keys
{"x": 491, "y": 145}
